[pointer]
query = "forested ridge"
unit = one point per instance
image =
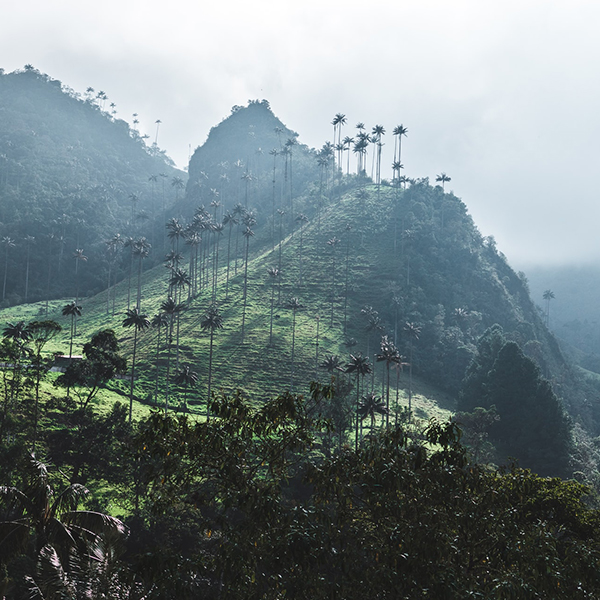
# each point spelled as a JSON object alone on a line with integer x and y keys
{"x": 259, "y": 367}
{"x": 72, "y": 174}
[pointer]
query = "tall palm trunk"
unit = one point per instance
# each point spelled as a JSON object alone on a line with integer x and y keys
{"x": 5, "y": 273}
{"x": 410, "y": 360}
{"x": 170, "y": 342}
{"x": 108, "y": 289}
{"x": 245, "y": 286}
{"x": 293, "y": 350}
{"x": 357, "y": 407}
{"x": 157, "y": 369}
{"x": 346, "y": 282}
{"x": 272, "y": 303}
{"x": 387, "y": 397}
{"x": 210, "y": 357}
{"x": 228, "y": 262}
{"x": 27, "y": 276}
{"x": 332, "y": 285}
{"x": 139, "y": 285}
{"x": 135, "y": 332}
{"x": 279, "y": 261}
{"x": 129, "y": 280}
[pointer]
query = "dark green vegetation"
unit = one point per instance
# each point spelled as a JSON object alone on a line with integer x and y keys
{"x": 252, "y": 504}
{"x": 282, "y": 268}
{"x": 573, "y": 312}
{"x": 72, "y": 174}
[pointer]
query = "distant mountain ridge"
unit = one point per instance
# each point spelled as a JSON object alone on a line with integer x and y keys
{"x": 360, "y": 260}
{"x": 68, "y": 172}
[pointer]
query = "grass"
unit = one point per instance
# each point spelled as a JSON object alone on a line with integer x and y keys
{"x": 252, "y": 365}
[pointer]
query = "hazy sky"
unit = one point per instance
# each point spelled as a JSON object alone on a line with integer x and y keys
{"x": 503, "y": 96}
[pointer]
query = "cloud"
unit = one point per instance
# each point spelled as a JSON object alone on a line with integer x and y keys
{"x": 500, "y": 95}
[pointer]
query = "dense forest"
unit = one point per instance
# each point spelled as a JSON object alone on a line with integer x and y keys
{"x": 285, "y": 376}
{"x": 72, "y": 175}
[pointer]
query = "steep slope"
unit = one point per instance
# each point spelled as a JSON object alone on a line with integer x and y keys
{"x": 71, "y": 175}
{"x": 252, "y": 158}
{"x": 445, "y": 279}
{"x": 362, "y": 261}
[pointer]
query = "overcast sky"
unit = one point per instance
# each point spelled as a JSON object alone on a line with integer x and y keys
{"x": 503, "y": 96}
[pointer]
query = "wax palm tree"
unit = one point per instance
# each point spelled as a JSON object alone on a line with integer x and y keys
{"x": 171, "y": 309}
{"x": 338, "y": 122}
{"x": 134, "y": 198}
{"x": 548, "y": 297}
{"x": 443, "y": 179}
{"x": 172, "y": 262}
{"x": 79, "y": 256}
{"x": 289, "y": 146}
{"x": 332, "y": 243}
{"x": 29, "y": 241}
{"x": 332, "y": 364}
{"x": 179, "y": 280}
{"x": 248, "y": 233}
{"x": 51, "y": 240}
{"x": 141, "y": 249}
{"x": 129, "y": 243}
{"x": 218, "y": 232}
{"x": 360, "y": 366}
{"x": 178, "y": 184}
{"x": 8, "y": 243}
{"x": 378, "y": 133}
{"x": 413, "y": 332}
{"x": 397, "y": 166}
{"x": 211, "y": 322}
{"x": 175, "y": 231}
{"x": 112, "y": 247}
{"x": 347, "y": 144}
{"x": 281, "y": 214}
{"x": 71, "y": 310}
{"x": 360, "y": 149}
{"x": 159, "y": 320}
{"x": 230, "y": 220}
{"x": 399, "y": 131}
{"x": 157, "y": 122}
{"x": 273, "y": 274}
{"x": 18, "y": 333}
{"x": 40, "y": 333}
{"x": 214, "y": 203}
{"x": 139, "y": 322}
{"x": 374, "y": 323}
{"x": 274, "y": 153}
{"x": 371, "y": 406}
{"x": 188, "y": 378}
{"x": 347, "y": 230}
{"x": 294, "y": 305}
{"x": 389, "y": 353}
{"x": 302, "y": 219}
{"x": 193, "y": 240}
{"x": 238, "y": 211}
{"x": 47, "y": 522}
{"x": 247, "y": 178}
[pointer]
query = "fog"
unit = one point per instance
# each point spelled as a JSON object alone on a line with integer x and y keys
{"x": 501, "y": 96}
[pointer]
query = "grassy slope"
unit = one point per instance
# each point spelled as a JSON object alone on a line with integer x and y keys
{"x": 254, "y": 366}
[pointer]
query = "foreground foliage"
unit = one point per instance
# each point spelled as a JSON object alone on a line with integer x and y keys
{"x": 247, "y": 506}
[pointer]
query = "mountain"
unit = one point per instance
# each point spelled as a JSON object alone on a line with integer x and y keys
{"x": 72, "y": 175}
{"x": 243, "y": 154}
{"x": 355, "y": 261}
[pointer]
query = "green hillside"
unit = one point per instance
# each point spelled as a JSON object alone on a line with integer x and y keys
{"x": 424, "y": 280}
{"x": 361, "y": 260}
{"x": 373, "y": 362}
{"x": 72, "y": 175}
